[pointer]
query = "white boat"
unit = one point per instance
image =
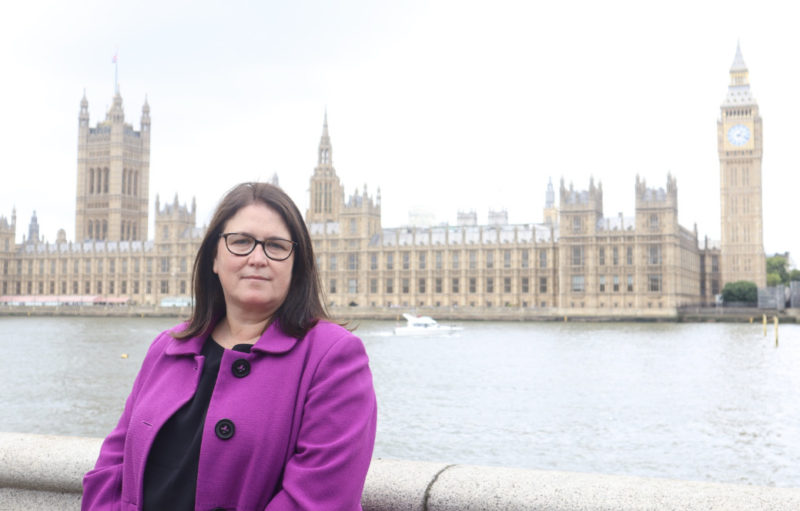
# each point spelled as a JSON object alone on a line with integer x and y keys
{"x": 423, "y": 325}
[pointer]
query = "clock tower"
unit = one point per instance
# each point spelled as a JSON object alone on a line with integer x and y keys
{"x": 739, "y": 142}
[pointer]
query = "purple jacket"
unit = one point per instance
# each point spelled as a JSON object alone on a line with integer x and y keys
{"x": 304, "y": 424}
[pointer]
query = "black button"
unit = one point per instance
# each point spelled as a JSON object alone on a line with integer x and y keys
{"x": 240, "y": 368}
{"x": 224, "y": 429}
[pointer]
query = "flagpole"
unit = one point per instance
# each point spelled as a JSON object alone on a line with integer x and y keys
{"x": 116, "y": 75}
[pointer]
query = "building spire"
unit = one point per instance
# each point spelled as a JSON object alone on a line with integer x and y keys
{"x": 738, "y": 60}
{"x": 325, "y": 149}
{"x": 739, "y": 88}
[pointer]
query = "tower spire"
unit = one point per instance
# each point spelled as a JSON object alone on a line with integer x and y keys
{"x": 325, "y": 149}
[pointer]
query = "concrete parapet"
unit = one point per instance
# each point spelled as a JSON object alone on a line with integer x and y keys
{"x": 45, "y": 472}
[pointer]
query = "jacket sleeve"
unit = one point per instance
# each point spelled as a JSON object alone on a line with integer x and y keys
{"x": 102, "y": 486}
{"x": 336, "y": 437}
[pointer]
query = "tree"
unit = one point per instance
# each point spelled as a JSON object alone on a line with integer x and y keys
{"x": 742, "y": 291}
{"x": 776, "y": 267}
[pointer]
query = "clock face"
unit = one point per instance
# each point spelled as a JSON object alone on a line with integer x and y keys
{"x": 738, "y": 134}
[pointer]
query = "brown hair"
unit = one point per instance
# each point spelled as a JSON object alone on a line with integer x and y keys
{"x": 302, "y": 307}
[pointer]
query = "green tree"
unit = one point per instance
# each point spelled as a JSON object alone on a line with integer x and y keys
{"x": 776, "y": 265}
{"x": 794, "y": 275}
{"x": 741, "y": 291}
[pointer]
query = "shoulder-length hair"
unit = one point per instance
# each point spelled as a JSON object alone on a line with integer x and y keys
{"x": 303, "y": 305}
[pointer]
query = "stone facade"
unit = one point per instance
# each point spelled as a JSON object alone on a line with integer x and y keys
{"x": 576, "y": 261}
{"x": 740, "y": 145}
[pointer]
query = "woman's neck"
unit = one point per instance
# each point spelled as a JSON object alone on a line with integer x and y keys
{"x": 233, "y": 330}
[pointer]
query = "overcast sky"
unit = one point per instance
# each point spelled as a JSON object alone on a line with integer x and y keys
{"x": 445, "y": 106}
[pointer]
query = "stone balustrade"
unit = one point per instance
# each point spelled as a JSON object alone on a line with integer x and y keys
{"x": 39, "y": 472}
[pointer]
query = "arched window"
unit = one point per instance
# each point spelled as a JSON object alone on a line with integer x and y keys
{"x": 105, "y": 228}
{"x": 91, "y": 230}
{"x": 130, "y": 182}
{"x": 124, "y": 180}
{"x": 135, "y": 183}
{"x": 105, "y": 180}
{"x": 91, "y": 180}
{"x": 134, "y": 232}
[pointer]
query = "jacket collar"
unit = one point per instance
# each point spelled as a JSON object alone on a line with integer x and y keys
{"x": 273, "y": 341}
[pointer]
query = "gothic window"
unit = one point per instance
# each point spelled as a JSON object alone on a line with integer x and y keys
{"x": 542, "y": 258}
{"x": 438, "y": 285}
{"x": 630, "y": 283}
{"x": 91, "y": 180}
{"x": 577, "y": 256}
{"x": 602, "y": 283}
{"x": 421, "y": 286}
{"x": 653, "y": 221}
{"x": 454, "y": 286}
{"x": 352, "y": 286}
{"x": 124, "y": 180}
{"x": 91, "y": 229}
{"x": 105, "y": 229}
{"x": 422, "y": 260}
{"x": 654, "y": 252}
{"x": 506, "y": 259}
{"x": 332, "y": 288}
{"x": 105, "y": 180}
{"x": 473, "y": 285}
{"x": 525, "y": 285}
{"x": 390, "y": 286}
{"x": 576, "y": 224}
{"x": 373, "y": 286}
{"x": 389, "y": 261}
{"x": 654, "y": 282}
{"x": 352, "y": 261}
{"x": 438, "y": 259}
{"x": 136, "y": 183}
{"x": 601, "y": 256}
{"x": 506, "y": 284}
{"x": 524, "y": 255}
{"x": 455, "y": 260}
{"x": 616, "y": 283}
{"x": 373, "y": 261}
{"x": 406, "y": 260}
{"x": 578, "y": 284}
{"x": 490, "y": 259}
{"x": 405, "y": 286}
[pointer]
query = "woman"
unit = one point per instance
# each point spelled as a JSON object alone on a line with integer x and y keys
{"x": 258, "y": 402}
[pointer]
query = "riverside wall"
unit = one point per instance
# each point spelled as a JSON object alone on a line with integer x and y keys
{"x": 45, "y": 472}
{"x": 685, "y": 314}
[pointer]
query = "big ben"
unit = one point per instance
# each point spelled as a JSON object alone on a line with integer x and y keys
{"x": 739, "y": 141}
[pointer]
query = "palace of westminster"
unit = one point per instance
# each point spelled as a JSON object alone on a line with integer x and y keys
{"x": 575, "y": 262}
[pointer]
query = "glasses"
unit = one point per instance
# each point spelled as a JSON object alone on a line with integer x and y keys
{"x": 241, "y": 244}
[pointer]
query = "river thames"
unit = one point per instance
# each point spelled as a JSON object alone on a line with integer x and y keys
{"x": 706, "y": 402}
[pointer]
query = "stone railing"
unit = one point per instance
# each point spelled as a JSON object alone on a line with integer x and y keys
{"x": 44, "y": 473}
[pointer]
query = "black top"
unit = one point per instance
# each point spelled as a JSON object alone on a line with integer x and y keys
{"x": 170, "y": 476}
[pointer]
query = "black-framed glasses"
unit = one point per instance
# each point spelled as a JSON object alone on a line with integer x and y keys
{"x": 241, "y": 244}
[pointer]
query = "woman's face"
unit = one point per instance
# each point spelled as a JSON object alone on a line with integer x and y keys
{"x": 254, "y": 283}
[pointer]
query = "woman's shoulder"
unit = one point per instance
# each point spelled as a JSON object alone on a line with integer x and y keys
{"x": 166, "y": 338}
{"x": 326, "y": 334}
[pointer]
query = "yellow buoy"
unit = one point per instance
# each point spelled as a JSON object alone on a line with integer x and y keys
{"x": 124, "y": 355}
